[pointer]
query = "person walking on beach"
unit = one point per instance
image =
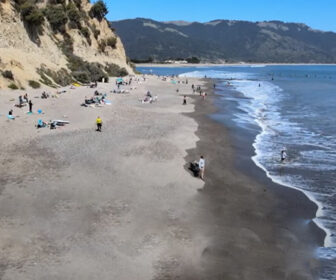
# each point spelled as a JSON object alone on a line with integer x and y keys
{"x": 201, "y": 165}
{"x": 30, "y": 103}
{"x": 99, "y": 123}
{"x": 184, "y": 100}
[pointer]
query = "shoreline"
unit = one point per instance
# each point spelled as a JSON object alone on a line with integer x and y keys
{"x": 288, "y": 204}
{"x": 162, "y": 65}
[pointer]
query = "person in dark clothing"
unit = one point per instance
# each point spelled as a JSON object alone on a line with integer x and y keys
{"x": 20, "y": 100}
{"x": 30, "y": 103}
{"x": 184, "y": 100}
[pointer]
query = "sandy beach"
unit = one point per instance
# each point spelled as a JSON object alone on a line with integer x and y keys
{"x": 121, "y": 204}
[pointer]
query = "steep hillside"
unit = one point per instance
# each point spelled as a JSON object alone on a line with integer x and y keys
{"x": 55, "y": 42}
{"x": 223, "y": 40}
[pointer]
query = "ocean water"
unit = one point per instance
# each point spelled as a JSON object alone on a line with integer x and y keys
{"x": 291, "y": 108}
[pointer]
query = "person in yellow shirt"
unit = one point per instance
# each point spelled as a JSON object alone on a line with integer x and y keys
{"x": 99, "y": 123}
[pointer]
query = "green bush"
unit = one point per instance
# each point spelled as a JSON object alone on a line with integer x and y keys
{"x": 13, "y": 86}
{"x": 85, "y": 32}
{"x": 61, "y": 77}
{"x": 102, "y": 45}
{"x": 84, "y": 71}
{"x": 98, "y": 10}
{"x": 31, "y": 14}
{"x": 95, "y": 31}
{"x": 115, "y": 70}
{"x": 74, "y": 16}
{"x": 82, "y": 76}
{"x": 194, "y": 60}
{"x": 34, "y": 84}
{"x": 8, "y": 75}
{"x": 57, "y": 17}
{"x": 112, "y": 41}
{"x": 78, "y": 3}
{"x": 55, "y": 2}
{"x": 67, "y": 44}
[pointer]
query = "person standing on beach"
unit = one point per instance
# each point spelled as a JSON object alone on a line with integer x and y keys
{"x": 30, "y": 103}
{"x": 99, "y": 123}
{"x": 184, "y": 100}
{"x": 201, "y": 165}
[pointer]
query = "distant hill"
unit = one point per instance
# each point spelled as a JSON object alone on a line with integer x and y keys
{"x": 226, "y": 40}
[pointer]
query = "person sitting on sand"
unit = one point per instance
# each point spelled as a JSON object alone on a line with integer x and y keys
{"x": 10, "y": 115}
{"x": 44, "y": 95}
{"x": 41, "y": 124}
{"x": 99, "y": 123}
{"x": 201, "y": 165}
{"x": 25, "y": 97}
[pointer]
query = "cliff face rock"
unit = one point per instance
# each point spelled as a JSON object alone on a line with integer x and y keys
{"x": 55, "y": 42}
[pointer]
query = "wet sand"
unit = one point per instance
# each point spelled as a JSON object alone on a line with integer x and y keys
{"x": 258, "y": 229}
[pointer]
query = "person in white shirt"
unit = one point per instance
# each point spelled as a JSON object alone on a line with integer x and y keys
{"x": 201, "y": 165}
{"x": 283, "y": 155}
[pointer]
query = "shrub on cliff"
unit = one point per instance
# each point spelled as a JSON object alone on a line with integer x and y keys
{"x": 112, "y": 41}
{"x": 84, "y": 71}
{"x": 31, "y": 14}
{"x": 86, "y": 33}
{"x": 98, "y": 10}
{"x": 57, "y": 17}
{"x": 115, "y": 70}
{"x": 74, "y": 16}
{"x": 8, "y": 75}
{"x": 13, "y": 86}
{"x": 34, "y": 84}
{"x": 95, "y": 31}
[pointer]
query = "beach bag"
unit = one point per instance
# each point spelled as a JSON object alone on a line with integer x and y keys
{"x": 194, "y": 169}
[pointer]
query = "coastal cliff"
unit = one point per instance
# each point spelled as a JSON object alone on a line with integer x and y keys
{"x": 56, "y": 42}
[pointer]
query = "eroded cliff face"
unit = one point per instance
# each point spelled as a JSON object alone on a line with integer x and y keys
{"x": 66, "y": 43}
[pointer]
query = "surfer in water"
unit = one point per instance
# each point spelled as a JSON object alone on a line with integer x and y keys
{"x": 283, "y": 155}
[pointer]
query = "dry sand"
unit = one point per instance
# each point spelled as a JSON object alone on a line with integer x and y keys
{"x": 79, "y": 204}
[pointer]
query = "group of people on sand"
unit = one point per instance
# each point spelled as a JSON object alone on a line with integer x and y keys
{"x": 23, "y": 101}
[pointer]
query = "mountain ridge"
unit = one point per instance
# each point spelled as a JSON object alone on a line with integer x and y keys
{"x": 227, "y": 41}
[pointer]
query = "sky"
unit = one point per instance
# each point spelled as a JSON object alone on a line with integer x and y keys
{"x": 318, "y": 14}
